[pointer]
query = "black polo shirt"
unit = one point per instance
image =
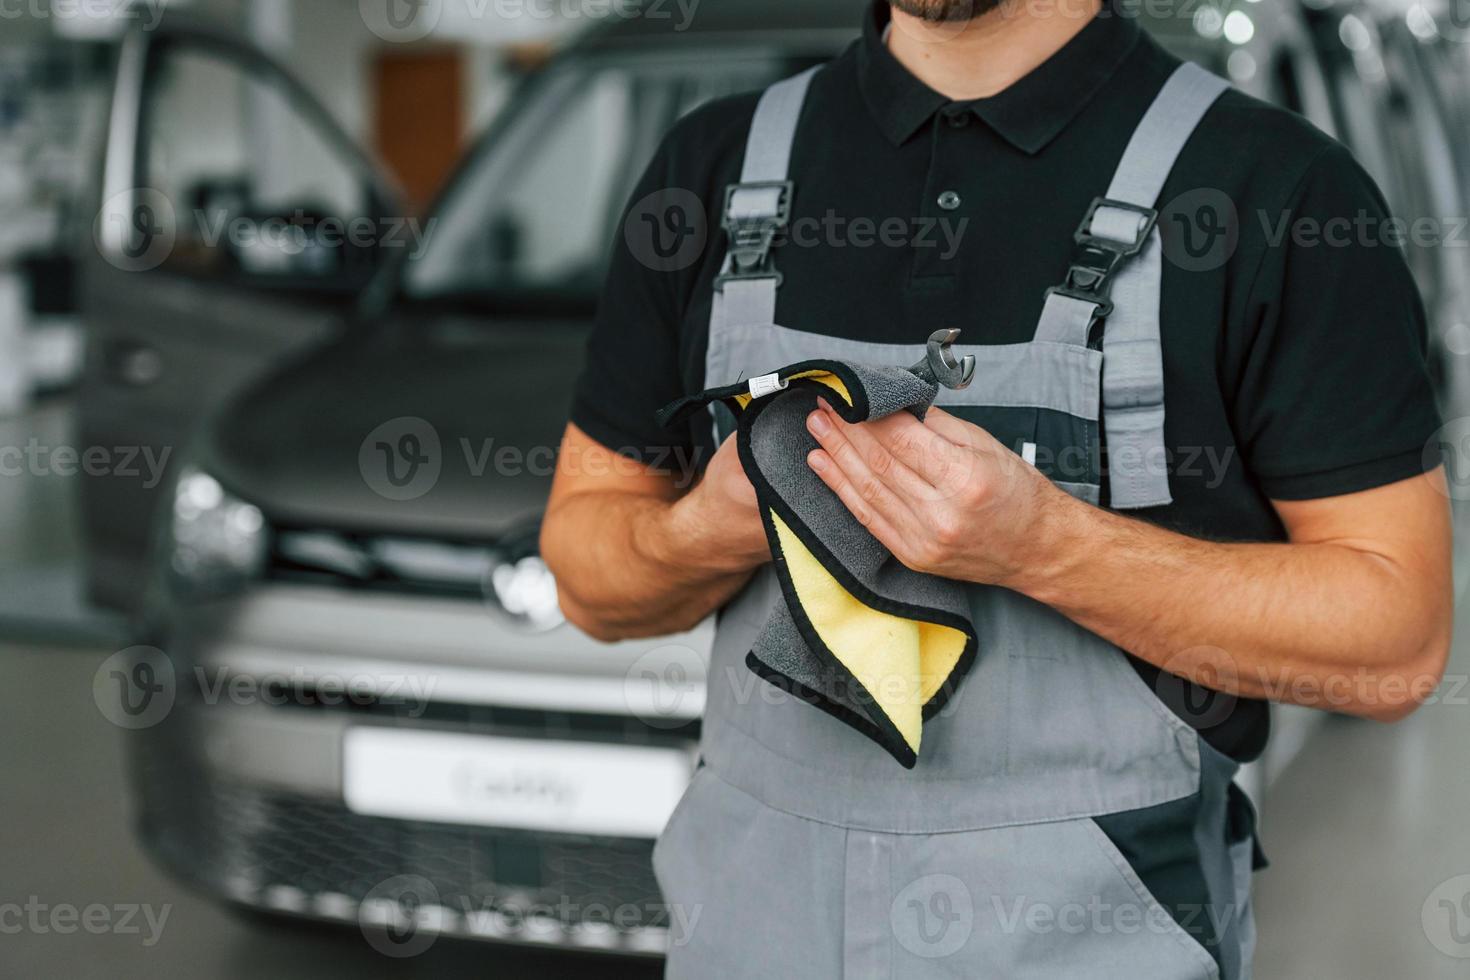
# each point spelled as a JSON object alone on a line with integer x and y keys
{"x": 1293, "y": 334}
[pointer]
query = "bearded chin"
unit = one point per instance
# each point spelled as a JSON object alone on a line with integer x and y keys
{"x": 945, "y": 11}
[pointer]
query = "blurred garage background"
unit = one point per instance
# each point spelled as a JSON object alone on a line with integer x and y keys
{"x": 288, "y": 293}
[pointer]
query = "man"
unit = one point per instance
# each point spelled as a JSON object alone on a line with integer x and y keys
{"x": 1072, "y": 812}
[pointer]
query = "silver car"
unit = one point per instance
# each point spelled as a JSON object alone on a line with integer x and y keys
{"x": 354, "y": 695}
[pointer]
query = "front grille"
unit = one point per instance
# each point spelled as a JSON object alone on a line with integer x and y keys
{"x": 488, "y": 719}
{"x": 393, "y": 563}
{"x": 507, "y": 575}
{"x": 309, "y": 857}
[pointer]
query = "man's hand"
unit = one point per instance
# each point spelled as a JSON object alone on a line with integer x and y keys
{"x": 1353, "y": 614}
{"x": 723, "y": 502}
{"x": 942, "y": 495}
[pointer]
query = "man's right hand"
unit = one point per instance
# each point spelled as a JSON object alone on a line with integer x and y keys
{"x": 721, "y": 512}
{"x": 634, "y": 554}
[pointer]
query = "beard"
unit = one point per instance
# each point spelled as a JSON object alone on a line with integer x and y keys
{"x": 945, "y": 11}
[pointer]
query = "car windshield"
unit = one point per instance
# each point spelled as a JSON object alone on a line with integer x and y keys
{"x": 529, "y": 221}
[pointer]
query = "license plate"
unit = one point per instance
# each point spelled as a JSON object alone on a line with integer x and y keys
{"x": 531, "y": 784}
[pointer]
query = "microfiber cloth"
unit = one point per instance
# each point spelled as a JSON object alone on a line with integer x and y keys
{"x": 860, "y": 635}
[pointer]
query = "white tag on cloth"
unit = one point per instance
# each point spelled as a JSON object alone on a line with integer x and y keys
{"x": 1028, "y": 453}
{"x": 766, "y": 384}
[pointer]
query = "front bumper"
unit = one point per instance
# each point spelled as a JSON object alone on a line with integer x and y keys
{"x": 243, "y": 795}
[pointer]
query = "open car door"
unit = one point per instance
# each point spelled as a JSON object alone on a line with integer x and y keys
{"x": 237, "y": 225}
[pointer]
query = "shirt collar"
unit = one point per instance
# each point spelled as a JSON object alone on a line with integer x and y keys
{"x": 1028, "y": 114}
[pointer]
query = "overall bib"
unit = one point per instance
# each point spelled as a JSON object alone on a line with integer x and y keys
{"x": 1062, "y": 821}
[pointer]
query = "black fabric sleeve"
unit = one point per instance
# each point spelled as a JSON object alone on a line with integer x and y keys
{"x": 632, "y": 365}
{"x": 647, "y": 343}
{"x": 1335, "y": 395}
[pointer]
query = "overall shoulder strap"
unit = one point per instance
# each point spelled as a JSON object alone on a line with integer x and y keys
{"x": 1116, "y": 275}
{"x": 758, "y": 207}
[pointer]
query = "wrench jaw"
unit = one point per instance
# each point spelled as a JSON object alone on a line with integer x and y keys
{"x": 941, "y": 366}
{"x": 966, "y": 373}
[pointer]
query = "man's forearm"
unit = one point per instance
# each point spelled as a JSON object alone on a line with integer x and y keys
{"x": 1330, "y": 624}
{"x": 668, "y": 569}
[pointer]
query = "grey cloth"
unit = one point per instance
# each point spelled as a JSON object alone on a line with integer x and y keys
{"x": 774, "y": 446}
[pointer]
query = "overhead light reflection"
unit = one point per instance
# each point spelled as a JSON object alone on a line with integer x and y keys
{"x": 1208, "y": 22}
{"x": 1354, "y": 33}
{"x": 1239, "y": 28}
{"x": 1421, "y": 23}
{"x": 1241, "y": 66}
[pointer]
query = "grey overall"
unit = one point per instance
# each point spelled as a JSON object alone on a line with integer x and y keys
{"x": 1012, "y": 849}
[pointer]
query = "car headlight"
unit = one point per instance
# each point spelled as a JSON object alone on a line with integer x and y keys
{"x": 219, "y": 541}
{"x": 524, "y": 591}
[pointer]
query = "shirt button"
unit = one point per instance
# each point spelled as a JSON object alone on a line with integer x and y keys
{"x": 957, "y": 119}
{"x": 949, "y": 200}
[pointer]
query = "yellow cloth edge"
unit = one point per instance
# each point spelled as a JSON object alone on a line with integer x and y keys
{"x": 825, "y": 377}
{"x": 900, "y": 662}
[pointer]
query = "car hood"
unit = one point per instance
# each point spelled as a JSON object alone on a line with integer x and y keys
{"x": 451, "y": 434}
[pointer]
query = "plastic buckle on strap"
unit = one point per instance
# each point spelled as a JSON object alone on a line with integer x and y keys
{"x": 1084, "y": 237}
{"x": 752, "y": 236}
{"x": 1095, "y": 257}
{"x": 1104, "y": 306}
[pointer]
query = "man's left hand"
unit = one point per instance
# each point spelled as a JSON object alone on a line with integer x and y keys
{"x": 943, "y": 495}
